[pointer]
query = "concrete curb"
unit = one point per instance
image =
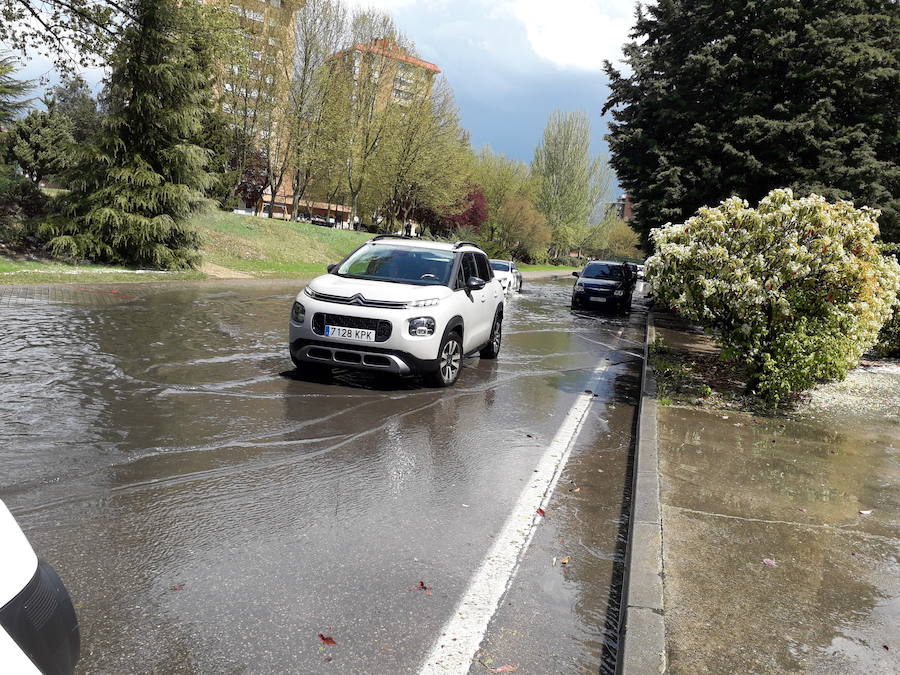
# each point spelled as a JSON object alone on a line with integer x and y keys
{"x": 642, "y": 631}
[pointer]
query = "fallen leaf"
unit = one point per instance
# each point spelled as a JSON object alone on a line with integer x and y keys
{"x": 886, "y": 648}
{"x": 505, "y": 669}
{"x": 866, "y": 512}
{"x": 768, "y": 562}
{"x": 529, "y": 435}
{"x": 326, "y": 640}
{"x": 541, "y": 512}
{"x": 588, "y": 391}
{"x": 802, "y": 510}
{"x": 422, "y": 587}
{"x": 565, "y": 561}
{"x": 576, "y": 490}
{"x": 178, "y": 587}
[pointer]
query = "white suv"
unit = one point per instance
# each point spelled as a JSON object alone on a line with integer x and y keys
{"x": 400, "y": 305}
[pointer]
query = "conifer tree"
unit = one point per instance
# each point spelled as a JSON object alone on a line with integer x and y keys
{"x": 135, "y": 188}
{"x": 40, "y": 143}
{"x": 12, "y": 91}
{"x": 738, "y": 97}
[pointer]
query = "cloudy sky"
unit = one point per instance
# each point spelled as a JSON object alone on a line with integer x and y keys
{"x": 510, "y": 62}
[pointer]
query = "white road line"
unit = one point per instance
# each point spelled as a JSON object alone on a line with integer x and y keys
{"x": 462, "y": 634}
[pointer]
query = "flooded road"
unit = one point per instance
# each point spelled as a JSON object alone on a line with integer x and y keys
{"x": 212, "y": 511}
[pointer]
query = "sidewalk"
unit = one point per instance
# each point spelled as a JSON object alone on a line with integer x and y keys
{"x": 781, "y": 533}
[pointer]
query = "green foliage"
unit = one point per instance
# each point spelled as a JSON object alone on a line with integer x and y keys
{"x": 72, "y": 32}
{"x": 20, "y": 201}
{"x": 796, "y": 289}
{"x": 734, "y": 98}
{"x": 72, "y": 101}
{"x": 889, "y": 338}
{"x": 567, "y": 178}
{"x": 514, "y": 227}
{"x": 135, "y": 188}
{"x": 41, "y": 144}
{"x": 12, "y": 91}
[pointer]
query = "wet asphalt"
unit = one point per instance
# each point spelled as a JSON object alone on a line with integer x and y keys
{"x": 213, "y": 511}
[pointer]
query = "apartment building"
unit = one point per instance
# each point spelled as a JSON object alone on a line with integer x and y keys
{"x": 396, "y": 75}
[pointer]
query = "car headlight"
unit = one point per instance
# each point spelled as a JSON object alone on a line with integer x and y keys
{"x": 298, "y": 312}
{"x": 619, "y": 292}
{"x": 430, "y": 302}
{"x": 421, "y": 326}
{"x": 310, "y": 292}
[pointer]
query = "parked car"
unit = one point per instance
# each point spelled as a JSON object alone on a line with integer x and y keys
{"x": 38, "y": 626}
{"x": 640, "y": 272}
{"x": 604, "y": 283}
{"x": 509, "y": 275}
{"x": 403, "y": 306}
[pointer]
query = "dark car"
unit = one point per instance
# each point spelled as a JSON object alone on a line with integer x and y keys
{"x": 604, "y": 283}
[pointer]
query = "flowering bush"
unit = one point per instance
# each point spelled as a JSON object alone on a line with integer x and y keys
{"x": 889, "y": 337}
{"x": 796, "y": 288}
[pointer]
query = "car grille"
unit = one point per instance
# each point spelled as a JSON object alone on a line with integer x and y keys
{"x": 361, "y": 301}
{"x": 598, "y": 290}
{"x": 381, "y": 327}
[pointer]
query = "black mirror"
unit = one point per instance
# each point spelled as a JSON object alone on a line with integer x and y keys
{"x": 331, "y": 268}
{"x": 576, "y": 274}
{"x": 475, "y": 284}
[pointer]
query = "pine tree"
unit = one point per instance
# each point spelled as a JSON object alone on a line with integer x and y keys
{"x": 135, "y": 188}
{"x": 738, "y": 97}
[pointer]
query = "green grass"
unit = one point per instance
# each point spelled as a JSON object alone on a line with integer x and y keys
{"x": 272, "y": 248}
{"x": 15, "y": 272}
{"x": 263, "y": 248}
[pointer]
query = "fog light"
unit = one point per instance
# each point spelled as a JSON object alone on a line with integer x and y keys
{"x": 618, "y": 292}
{"x": 298, "y": 313}
{"x": 421, "y": 326}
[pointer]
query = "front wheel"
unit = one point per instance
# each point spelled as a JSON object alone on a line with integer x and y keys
{"x": 492, "y": 349}
{"x": 449, "y": 362}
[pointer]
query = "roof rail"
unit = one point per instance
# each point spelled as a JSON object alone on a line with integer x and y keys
{"x": 390, "y": 236}
{"x": 460, "y": 244}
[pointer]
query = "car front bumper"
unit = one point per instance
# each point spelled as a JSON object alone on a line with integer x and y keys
{"x": 359, "y": 356}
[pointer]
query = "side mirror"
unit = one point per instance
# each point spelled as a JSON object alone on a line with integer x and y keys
{"x": 331, "y": 268}
{"x": 475, "y": 284}
{"x": 576, "y": 274}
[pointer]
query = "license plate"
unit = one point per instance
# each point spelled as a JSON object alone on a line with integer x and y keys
{"x": 595, "y": 299}
{"x": 350, "y": 333}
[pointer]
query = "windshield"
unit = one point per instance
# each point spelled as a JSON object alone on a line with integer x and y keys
{"x": 402, "y": 264}
{"x": 603, "y": 271}
{"x": 499, "y": 266}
